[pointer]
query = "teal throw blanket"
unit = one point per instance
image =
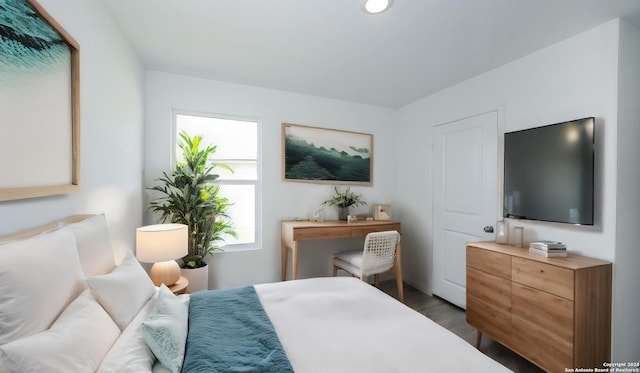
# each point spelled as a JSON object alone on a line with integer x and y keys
{"x": 229, "y": 331}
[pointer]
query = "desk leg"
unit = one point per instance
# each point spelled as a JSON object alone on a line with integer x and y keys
{"x": 294, "y": 260}
{"x": 283, "y": 258}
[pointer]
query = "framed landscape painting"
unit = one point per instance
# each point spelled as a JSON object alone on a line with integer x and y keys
{"x": 321, "y": 155}
{"x": 39, "y": 103}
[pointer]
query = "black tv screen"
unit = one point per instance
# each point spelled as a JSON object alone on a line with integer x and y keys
{"x": 549, "y": 172}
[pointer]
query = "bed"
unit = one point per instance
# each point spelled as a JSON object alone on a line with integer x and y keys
{"x": 66, "y": 306}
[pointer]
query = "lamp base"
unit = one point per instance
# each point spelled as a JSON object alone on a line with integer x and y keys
{"x": 167, "y": 273}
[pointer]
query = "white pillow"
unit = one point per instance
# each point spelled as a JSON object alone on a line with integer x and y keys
{"x": 39, "y": 277}
{"x": 94, "y": 245}
{"x": 76, "y": 342}
{"x": 124, "y": 291}
{"x": 165, "y": 330}
{"x": 130, "y": 353}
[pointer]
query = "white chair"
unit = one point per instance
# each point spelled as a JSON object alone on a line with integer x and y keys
{"x": 381, "y": 254}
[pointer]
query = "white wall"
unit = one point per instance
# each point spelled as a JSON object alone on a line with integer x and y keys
{"x": 627, "y": 276}
{"x": 111, "y": 129}
{"x": 281, "y": 200}
{"x": 575, "y": 78}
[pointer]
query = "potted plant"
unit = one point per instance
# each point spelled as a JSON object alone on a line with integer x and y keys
{"x": 189, "y": 196}
{"x": 344, "y": 200}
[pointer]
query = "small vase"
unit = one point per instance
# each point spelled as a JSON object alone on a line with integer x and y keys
{"x": 502, "y": 232}
{"x": 343, "y": 212}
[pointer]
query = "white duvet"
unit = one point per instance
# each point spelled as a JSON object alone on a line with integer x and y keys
{"x": 341, "y": 324}
{"x": 334, "y": 325}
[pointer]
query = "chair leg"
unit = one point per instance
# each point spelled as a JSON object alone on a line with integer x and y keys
{"x": 335, "y": 271}
{"x": 377, "y": 279}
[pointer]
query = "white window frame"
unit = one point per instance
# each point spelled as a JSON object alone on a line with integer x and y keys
{"x": 258, "y": 182}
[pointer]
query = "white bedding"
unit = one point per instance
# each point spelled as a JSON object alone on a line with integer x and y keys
{"x": 130, "y": 353}
{"x": 341, "y": 324}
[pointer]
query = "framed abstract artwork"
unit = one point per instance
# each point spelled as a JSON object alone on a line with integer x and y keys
{"x": 321, "y": 155}
{"x": 39, "y": 103}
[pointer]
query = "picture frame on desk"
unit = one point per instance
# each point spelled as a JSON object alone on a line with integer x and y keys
{"x": 381, "y": 212}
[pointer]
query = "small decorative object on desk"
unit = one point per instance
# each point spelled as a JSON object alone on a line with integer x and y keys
{"x": 549, "y": 249}
{"x": 352, "y": 218}
{"x": 382, "y": 212}
{"x": 344, "y": 200}
{"x": 318, "y": 216}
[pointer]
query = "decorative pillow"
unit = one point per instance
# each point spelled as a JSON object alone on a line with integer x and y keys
{"x": 94, "y": 245}
{"x": 165, "y": 330}
{"x": 77, "y": 342}
{"x": 124, "y": 291}
{"x": 130, "y": 353}
{"x": 39, "y": 277}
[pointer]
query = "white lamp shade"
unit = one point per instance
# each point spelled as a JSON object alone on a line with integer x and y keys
{"x": 161, "y": 242}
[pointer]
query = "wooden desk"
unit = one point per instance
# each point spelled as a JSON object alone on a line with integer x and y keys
{"x": 294, "y": 231}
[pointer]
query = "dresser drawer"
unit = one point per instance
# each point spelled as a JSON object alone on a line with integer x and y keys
{"x": 542, "y": 276}
{"x": 491, "y": 289}
{"x": 489, "y": 319}
{"x": 549, "y": 312}
{"x": 541, "y": 346}
{"x": 489, "y": 261}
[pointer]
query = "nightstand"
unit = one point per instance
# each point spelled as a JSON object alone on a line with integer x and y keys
{"x": 180, "y": 287}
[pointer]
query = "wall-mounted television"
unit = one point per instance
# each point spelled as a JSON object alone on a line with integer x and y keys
{"x": 549, "y": 172}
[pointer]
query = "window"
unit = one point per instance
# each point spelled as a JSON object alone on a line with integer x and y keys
{"x": 236, "y": 142}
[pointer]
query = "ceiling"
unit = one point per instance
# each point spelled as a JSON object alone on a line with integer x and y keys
{"x": 331, "y": 48}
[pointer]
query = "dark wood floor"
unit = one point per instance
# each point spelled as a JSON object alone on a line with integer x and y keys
{"x": 454, "y": 319}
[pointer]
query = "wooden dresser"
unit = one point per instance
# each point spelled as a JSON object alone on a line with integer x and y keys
{"x": 555, "y": 312}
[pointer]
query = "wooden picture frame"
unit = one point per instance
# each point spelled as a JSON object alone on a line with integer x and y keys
{"x": 322, "y": 155}
{"x": 39, "y": 104}
{"x": 381, "y": 212}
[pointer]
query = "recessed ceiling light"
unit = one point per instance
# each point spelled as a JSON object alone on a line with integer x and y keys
{"x": 376, "y": 6}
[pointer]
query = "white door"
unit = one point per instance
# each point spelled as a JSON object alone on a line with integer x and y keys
{"x": 465, "y": 193}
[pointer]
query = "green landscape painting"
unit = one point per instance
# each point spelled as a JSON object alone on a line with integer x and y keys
{"x": 323, "y": 155}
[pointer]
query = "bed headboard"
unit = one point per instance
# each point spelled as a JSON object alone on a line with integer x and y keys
{"x": 44, "y": 228}
{"x": 92, "y": 238}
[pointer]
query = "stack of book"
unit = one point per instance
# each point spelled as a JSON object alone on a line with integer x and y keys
{"x": 548, "y": 249}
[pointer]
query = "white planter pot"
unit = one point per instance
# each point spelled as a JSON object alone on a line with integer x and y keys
{"x": 198, "y": 278}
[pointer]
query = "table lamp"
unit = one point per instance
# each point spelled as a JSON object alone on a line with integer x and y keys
{"x": 161, "y": 244}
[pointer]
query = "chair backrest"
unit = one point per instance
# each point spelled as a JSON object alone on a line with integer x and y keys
{"x": 379, "y": 251}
